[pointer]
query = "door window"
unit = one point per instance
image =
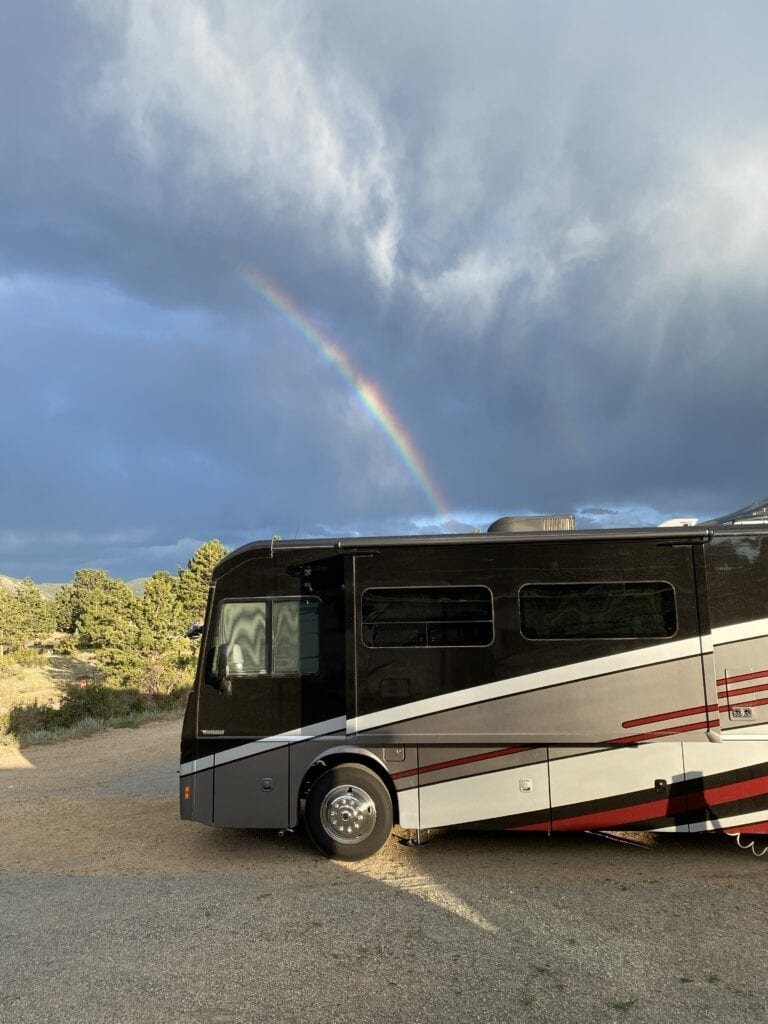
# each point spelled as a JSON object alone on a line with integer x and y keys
{"x": 277, "y": 637}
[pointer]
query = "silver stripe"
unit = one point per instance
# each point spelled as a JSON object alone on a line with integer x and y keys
{"x": 199, "y": 765}
{"x": 306, "y": 732}
{"x": 740, "y": 631}
{"x": 573, "y": 672}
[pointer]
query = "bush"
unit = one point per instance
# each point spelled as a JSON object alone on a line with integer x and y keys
{"x": 27, "y": 657}
{"x": 159, "y": 680}
{"x": 29, "y": 718}
{"x": 94, "y": 699}
{"x": 154, "y": 677}
{"x": 89, "y": 700}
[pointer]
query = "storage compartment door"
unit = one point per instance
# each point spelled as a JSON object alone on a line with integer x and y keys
{"x": 251, "y": 791}
{"x": 627, "y": 788}
{"x": 478, "y": 787}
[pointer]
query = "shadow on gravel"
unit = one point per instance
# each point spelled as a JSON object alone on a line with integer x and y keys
{"x": 528, "y": 858}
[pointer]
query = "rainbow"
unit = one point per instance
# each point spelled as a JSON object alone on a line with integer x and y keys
{"x": 369, "y": 396}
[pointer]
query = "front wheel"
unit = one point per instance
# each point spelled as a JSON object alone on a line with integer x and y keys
{"x": 348, "y": 812}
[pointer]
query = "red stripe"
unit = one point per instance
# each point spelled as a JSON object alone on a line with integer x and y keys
{"x": 615, "y": 817}
{"x": 683, "y": 713}
{"x": 640, "y": 737}
{"x": 665, "y": 807}
{"x": 725, "y": 794}
{"x": 634, "y": 738}
{"x": 458, "y": 760}
{"x": 760, "y": 827}
{"x": 728, "y": 692}
{"x": 727, "y": 680}
{"x": 744, "y": 704}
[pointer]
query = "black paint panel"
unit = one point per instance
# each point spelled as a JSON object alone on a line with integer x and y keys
{"x": 393, "y": 676}
{"x": 265, "y": 705}
{"x": 737, "y": 578}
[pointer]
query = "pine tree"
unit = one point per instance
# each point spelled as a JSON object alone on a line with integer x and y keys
{"x": 161, "y": 619}
{"x": 36, "y": 614}
{"x": 84, "y": 584}
{"x": 195, "y": 580}
{"x": 64, "y": 608}
{"x": 10, "y": 621}
{"x": 152, "y": 653}
{"x": 103, "y": 608}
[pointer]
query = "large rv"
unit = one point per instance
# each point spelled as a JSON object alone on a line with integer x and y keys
{"x": 540, "y": 680}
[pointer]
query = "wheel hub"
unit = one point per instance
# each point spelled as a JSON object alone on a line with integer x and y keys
{"x": 348, "y": 814}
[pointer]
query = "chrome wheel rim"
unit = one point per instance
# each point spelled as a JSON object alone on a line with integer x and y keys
{"x": 348, "y": 814}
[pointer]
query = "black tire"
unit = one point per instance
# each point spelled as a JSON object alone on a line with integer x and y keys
{"x": 348, "y": 813}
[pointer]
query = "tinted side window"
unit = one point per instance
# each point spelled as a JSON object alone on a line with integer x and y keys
{"x": 427, "y": 617}
{"x": 296, "y": 637}
{"x": 597, "y": 611}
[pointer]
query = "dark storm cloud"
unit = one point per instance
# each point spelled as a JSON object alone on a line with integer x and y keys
{"x": 541, "y": 230}
{"x": 135, "y": 425}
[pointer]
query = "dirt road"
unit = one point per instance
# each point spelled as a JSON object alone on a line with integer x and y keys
{"x": 114, "y": 910}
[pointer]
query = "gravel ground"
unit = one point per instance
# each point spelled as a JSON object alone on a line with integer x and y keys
{"x": 114, "y": 910}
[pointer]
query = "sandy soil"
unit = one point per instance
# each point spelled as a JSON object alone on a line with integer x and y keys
{"x": 108, "y": 800}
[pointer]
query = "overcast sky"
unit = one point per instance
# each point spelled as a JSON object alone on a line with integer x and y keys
{"x": 539, "y": 231}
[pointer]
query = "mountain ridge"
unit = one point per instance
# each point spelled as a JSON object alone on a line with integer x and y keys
{"x": 50, "y": 590}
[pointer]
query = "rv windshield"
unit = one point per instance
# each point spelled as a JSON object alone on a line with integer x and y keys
{"x": 242, "y": 625}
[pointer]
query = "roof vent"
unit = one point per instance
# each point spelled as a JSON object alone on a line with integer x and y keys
{"x": 532, "y": 524}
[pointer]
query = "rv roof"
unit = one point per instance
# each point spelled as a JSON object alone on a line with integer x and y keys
{"x": 754, "y": 514}
{"x": 352, "y": 544}
{"x": 735, "y": 523}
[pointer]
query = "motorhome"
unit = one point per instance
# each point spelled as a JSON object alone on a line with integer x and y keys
{"x": 543, "y": 678}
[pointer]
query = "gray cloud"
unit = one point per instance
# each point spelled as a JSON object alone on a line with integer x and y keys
{"x": 541, "y": 231}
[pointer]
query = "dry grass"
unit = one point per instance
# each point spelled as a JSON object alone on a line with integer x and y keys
{"x": 21, "y": 685}
{"x": 87, "y": 727}
{"x": 43, "y": 684}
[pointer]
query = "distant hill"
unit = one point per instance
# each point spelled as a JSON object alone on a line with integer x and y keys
{"x": 8, "y": 582}
{"x": 49, "y": 589}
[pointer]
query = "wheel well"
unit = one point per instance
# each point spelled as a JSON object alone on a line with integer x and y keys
{"x": 317, "y": 768}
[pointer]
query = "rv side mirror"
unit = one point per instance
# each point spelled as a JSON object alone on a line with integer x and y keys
{"x": 223, "y": 681}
